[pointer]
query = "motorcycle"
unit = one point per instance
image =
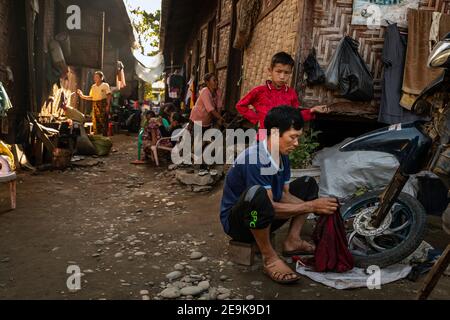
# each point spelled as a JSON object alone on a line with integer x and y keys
{"x": 385, "y": 226}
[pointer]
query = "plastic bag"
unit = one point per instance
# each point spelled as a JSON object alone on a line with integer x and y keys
{"x": 348, "y": 73}
{"x": 344, "y": 173}
{"x": 85, "y": 147}
{"x": 315, "y": 74}
{"x": 6, "y": 154}
{"x": 102, "y": 144}
{"x": 5, "y": 103}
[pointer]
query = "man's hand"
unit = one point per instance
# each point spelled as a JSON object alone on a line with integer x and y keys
{"x": 320, "y": 109}
{"x": 79, "y": 92}
{"x": 324, "y": 205}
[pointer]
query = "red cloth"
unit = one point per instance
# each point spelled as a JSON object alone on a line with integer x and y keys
{"x": 332, "y": 253}
{"x": 265, "y": 98}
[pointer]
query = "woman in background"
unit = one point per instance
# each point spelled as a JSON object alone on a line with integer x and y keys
{"x": 209, "y": 104}
{"x": 101, "y": 97}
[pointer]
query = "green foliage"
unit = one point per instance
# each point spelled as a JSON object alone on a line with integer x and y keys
{"x": 301, "y": 158}
{"x": 360, "y": 191}
{"x": 147, "y": 26}
{"x": 148, "y": 92}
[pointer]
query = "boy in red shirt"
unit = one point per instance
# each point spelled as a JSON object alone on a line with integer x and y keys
{"x": 259, "y": 101}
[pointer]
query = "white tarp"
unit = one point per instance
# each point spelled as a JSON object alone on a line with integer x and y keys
{"x": 343, "y": 173}
{"x": 355, "y": 278}
{"x": 150, "y": 62}
{"x": 359, "y": 278}
{"x": 149, "y": 69}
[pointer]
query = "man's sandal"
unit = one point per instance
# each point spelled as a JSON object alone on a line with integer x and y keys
{"x": 300, "y": 252}
{"x": 285, "y": 276}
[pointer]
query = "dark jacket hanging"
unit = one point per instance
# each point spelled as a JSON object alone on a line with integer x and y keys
{"x": 394, "y": 54}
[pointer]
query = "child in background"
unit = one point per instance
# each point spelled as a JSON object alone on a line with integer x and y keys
{"x": 152, "y": 132}
{"x": 275, "y": 92}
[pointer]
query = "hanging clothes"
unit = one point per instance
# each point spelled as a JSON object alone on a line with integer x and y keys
{"x": 120, "y": 76}
{"x": 5, "y": 103}
{"x": 176, "y": 83}
{"x": 434, "y": 30}
{"x": 393, "y": 57}
{"x": 190, "y": 95}
{"x": 417, "y": 75}
{"x": 247, "y": 16}
{"x": 55, "y": 105}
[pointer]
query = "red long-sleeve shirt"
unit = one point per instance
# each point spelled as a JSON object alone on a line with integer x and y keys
{"x": 266, "y": 97}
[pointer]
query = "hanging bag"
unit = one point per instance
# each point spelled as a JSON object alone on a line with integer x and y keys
{"x": 314, "y": 73}
{"x": 348, "y": 74}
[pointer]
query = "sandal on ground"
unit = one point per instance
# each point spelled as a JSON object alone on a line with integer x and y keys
{"x": 284, "y": 275}
{"x": 310, "y": 249}
{"x": 138, "y": 162}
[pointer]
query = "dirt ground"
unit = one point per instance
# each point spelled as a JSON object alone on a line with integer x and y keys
{"x": 126, "y": 227}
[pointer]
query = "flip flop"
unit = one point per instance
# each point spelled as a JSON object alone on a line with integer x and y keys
{"x": 278, "y": 276}
{"x": 299, "y": 252}
{"x": 137, "y": 162}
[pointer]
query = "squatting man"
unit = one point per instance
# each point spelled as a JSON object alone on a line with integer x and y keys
{"x": 258, "y": 197}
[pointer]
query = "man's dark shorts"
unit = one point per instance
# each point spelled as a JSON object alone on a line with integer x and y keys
{"x": 254, "y": 209}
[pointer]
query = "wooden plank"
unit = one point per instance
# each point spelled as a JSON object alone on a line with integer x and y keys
{"x": 38, "y": 152}
{"x": 434, "y": 275}
{"x": 42, "y": 136}
{"x": 223, "y": 24}
{"x": 12, "y": 191}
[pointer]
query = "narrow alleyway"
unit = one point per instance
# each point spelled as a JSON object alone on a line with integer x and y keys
{"x": 127, "y": 227}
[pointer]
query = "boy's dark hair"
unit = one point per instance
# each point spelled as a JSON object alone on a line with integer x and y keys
{"x": 282, "y": 58}
{"x": 176, "y": 116}
{"x": 284, "y": 118}
{"x": 150, "y": 113}
{"x": 166, "y": 110}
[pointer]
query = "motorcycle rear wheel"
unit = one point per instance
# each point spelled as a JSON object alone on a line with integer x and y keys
{"x": 400, "y": 236}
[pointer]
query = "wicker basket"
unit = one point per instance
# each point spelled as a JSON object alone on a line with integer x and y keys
{"x": 61, "y": 158}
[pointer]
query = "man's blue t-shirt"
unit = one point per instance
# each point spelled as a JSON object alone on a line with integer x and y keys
{"x": 254, "y": 166}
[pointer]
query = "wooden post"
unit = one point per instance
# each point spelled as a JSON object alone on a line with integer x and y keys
{"x": 434, "y": 275}
{"x": 102, "y": 60}
{"x": 12, "y": 190}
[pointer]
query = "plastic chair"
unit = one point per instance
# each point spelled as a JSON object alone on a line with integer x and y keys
{"x": 140, "y": 137}
{"x": 158, "y": 145}
{"x": 8, "y": 176}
